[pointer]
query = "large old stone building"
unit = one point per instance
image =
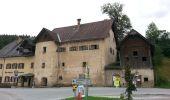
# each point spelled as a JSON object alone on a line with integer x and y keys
{"x": 58, "y": 56}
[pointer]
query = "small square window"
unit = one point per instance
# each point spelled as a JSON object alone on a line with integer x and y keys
{"x": 84, "y": 64}
{"x": 63, "y": 64}
{"x": 135, "y": 53}
{"x": 43, "y": 65}
{"x": 61, "y": 49}
{"x": 60, "y": 78}
{"x": 145, "y": 79}
{"x": 32, "y": 65}
{"x": 144, "y": 58}
{"x": 44, "y": 49}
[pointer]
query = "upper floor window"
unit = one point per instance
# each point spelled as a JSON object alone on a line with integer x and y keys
{"x": 8, "y": 66}
{"x": 14, "y": 66}
{"x": 111, "y": 50}
{"x": 144, "y": 58}
{"x": 92, "y": 47}
{"x": 84, "y": 64}
{"x": 32, "y": 65}
{"x": 21, "y": 66}
{"x": 44, "y": 49}
{"x": 84, "y": 47}
{"x": 135, "y": 53}
{"x": 1, "y": 66}
{"x": 43, "y": 65}
{"x": 63, "y": 64}
{"x": 74, "y": 48}
{"x": 61, "y": 49}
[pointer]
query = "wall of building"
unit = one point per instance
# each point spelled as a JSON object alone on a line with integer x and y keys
{"x": 50, "y": 59}
{"x": 10, "y": 72}
{"x": 144, "y": 73}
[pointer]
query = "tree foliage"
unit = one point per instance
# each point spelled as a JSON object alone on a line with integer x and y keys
{"x": 152, "y": 33}
{"x": 129, "y": 85}
{"x": 160, "y": 39}
{"x": 122, "y": 22}
{"x": 6, "y": 39}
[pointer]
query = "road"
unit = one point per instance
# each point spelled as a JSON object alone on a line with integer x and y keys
{"x": 60, "y": 93}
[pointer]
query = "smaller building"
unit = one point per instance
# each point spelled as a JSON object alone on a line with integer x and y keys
{"x": 136, "y": 52}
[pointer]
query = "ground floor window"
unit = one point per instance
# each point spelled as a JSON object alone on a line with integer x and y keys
{"x": 145, "y": 79}
{"x": 44, "y": 81}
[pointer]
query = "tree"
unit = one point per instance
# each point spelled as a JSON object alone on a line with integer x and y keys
{"x": 152, "y": 33}
{"x": 129, "y": 85}
{"x": 121, "y": 22}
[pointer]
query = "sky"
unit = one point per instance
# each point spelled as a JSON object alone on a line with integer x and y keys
{"x": 30, "y": 16}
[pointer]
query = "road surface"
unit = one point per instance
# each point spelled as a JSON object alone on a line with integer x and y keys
{"x": 60, "y": 93}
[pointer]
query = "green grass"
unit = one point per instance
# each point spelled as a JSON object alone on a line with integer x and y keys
{"x": 163, "y": 74}
{"x": 96, "y": 98}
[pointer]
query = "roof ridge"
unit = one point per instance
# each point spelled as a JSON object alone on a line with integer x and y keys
{"x": 83, "y": 24}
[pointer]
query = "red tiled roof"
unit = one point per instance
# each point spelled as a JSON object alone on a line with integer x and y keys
{"x": 88, "y": 31}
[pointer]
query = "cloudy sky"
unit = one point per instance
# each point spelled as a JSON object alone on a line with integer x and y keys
{"x": 30, "y": 16}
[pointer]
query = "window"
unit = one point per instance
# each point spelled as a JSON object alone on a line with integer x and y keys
{"x": 8, "y": 66}
{"x": 32, "y": 65}
{"x": 44, "y": 49}
{"x": 14, "y": 66}
{"x": 21, "y": 66}
{"x": 74, "y": 48}
{"x": 61, "y": 49}
{"x": 84, "y": 64}
{"x": 60, "y": 78}
{"x": 7, "y": 78}
{"x": 111, "y": 50}
{"x": 84, "y": 47}
{"x": 144, "y": 58}
{"x": 43, "y": 65}
{"x": 145, "y": 79}
{"x": 1, "y": 66}
{"x": 0, "y": 79}
{"x": 63, "y": 64}
{"x": 93, "y": 47}
{"x": 135, "y": 53}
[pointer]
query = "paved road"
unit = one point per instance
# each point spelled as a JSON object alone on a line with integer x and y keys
{"x": 59, "y": 93}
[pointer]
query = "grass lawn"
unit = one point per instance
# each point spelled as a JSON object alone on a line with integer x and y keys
{"x": 96, "y": 98}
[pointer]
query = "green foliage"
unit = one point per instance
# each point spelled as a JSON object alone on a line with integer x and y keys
{"x": 6, "y": 39}
{"x": 162, "y": 74}
{"x": 158, "y": 57}
{"x": 152, "y": 33}
{"x": 122, "y": 22}
{"x": 129, "y": 85}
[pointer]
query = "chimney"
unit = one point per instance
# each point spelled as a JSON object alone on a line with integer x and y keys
{"x": 78, "y": 23}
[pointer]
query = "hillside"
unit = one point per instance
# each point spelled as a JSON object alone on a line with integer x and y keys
{"x": 163, "y": 74}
